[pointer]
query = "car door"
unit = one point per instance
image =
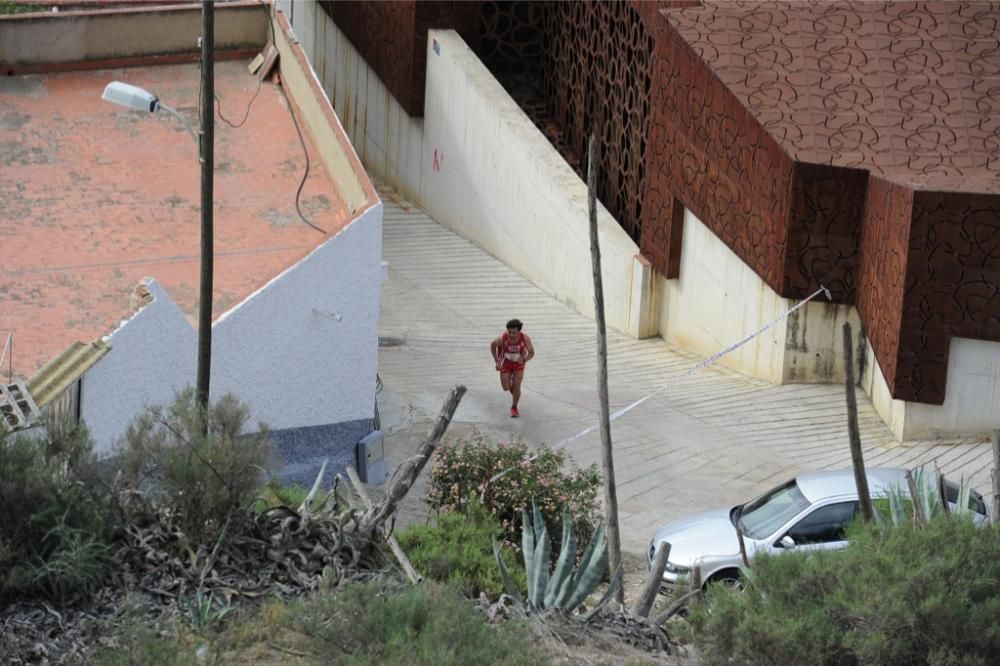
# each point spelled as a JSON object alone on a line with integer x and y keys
{"x": 823, "y": 528}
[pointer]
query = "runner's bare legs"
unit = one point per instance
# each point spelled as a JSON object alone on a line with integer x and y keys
{"x": 515, "y": 386}
{"x": 511, "y": 381}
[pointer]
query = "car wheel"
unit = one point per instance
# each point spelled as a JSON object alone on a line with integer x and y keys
{"x": 728, "y": 577}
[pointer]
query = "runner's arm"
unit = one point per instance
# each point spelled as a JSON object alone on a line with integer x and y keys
{"x": 530, "y": 348}
{"x": 495, "y": 350}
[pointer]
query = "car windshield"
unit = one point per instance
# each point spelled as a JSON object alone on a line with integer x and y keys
{"x": 762, "y": 516}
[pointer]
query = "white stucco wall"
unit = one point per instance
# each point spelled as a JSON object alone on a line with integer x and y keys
{"x": 477, "y": 163}
{"x": 71, "y": 36}
{"x": 972, "y": 395}
{"x": 303, "y": 350}
{"x": 153, "y": 355}
{"x": 717, "y": 300}
{"x": 388, "y": 141}
{"x": 492, "y": 176}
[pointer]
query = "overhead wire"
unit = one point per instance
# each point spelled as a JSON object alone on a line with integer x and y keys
{"x": 260, "y": 80}
{"x": 704, "y": 363}
{"x": 295, "y": 122}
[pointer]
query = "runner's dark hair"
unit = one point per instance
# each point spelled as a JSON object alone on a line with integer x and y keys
{"x": 515, "y": 323}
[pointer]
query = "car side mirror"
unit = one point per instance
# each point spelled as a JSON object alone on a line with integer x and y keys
{"x": 787, "y": 542}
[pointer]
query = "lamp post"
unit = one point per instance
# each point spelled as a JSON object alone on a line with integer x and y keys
{"x": 207, "y": 184}
{"x": 136, "y": 98}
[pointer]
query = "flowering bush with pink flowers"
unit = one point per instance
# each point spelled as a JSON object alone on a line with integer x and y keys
{"x": 462, "y": 472}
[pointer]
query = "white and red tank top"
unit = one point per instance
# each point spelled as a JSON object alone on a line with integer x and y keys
{"x": 513, "y": 351}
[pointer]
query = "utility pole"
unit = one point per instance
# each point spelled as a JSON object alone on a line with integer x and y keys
{"x": 207, "y": 158}
{"x": 610, "y": 493}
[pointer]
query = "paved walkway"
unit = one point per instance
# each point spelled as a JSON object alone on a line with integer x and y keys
{"x": 714, "y": 438}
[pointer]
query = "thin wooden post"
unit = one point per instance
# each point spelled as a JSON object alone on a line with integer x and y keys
{"x": 696, "y": 577}
{"x": 610, "y": 493}
{"x": 857, "y": 459}
{"x": 743, "y": 545}
{"x": 646, "y": 598}
{"x": 942, "y": 490}
{"x": 996, "y": 477}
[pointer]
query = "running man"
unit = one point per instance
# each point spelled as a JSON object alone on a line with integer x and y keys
{"x": 510, "y": 352}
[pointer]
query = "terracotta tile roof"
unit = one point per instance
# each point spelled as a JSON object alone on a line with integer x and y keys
{"x": 907, "y": 90}
{"x": 93, "y": 198}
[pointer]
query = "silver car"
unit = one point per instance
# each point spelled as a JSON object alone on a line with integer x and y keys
{"x": 810, "y": 512}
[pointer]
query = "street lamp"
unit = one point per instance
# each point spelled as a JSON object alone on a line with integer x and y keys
{"x": 133, "y": 97}
{"x": 139, "y": 99}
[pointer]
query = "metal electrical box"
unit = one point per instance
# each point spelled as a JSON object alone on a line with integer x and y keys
{"x": 371, "y": 463}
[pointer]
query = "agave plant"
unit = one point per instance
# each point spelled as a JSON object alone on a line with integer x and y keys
{"x": 900, "y": 504}
{"x": 562, "y": 588}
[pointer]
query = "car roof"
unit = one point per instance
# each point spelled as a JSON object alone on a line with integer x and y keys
{"x": 834, "y": 483}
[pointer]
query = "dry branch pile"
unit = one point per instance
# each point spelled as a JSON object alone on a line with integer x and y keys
{"x": 278, "y": 552}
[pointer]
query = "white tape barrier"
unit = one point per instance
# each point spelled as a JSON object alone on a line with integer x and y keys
{"x": 687, "y": 373}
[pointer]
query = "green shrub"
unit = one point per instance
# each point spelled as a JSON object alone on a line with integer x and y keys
{"x": 461, "y": 474}
{"x": 896, "y": 595}
{"x": 381, "y": 623}
{"x": 54, "y": 526}
{"x": 207, "y": 479}
{"x": 276, "y": 493}
{"x": 389, "y": 624}
{"x": 457, "y": 550}
{"x": 11, "y": 7}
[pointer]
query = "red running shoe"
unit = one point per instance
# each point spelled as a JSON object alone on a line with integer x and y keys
{"x": 514, "y": 413}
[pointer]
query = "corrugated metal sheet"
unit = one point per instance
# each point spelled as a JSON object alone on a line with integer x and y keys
{"x": 59, "y": 374}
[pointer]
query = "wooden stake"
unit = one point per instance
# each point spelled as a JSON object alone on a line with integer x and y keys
{"x": 857, "y": 460}
{"x": 610, "y": 493}
{"x": 743, "y": 545}
{"x": 942, "y": 490}
{"x": 653, "y": 584}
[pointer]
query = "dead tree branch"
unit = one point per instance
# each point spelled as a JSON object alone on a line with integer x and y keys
{"x": 397, "y": 550}
{"x": 404, "y": 477}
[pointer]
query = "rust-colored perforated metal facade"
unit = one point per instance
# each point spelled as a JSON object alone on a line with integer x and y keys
{"x": 392, "y": 38}
{"x": 850, "y": 144}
